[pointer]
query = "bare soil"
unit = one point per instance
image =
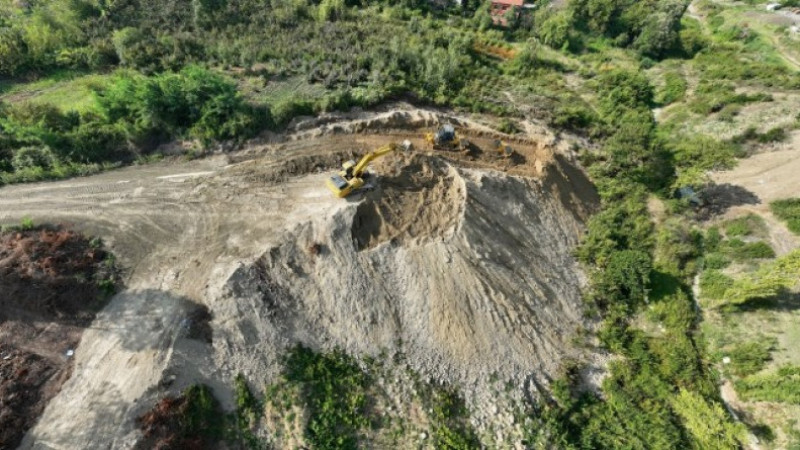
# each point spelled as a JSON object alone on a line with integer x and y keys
{"x": 49, "y": 293}
{"x": 415, "y": 197}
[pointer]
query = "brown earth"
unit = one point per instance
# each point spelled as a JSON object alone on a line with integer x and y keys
{"x": 49, "y": 291}
{"x": 415, "y": 197}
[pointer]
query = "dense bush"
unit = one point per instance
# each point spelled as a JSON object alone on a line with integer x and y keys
{"x": 136, "y": 113}
{"x": 194, "y": 102}
{"x": 333, "y": 387}
{"x": 650, "y": 27}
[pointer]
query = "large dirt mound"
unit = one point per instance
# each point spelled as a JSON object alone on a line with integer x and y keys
{"x": 480, "y": 281}
{"x": 414, "y": 197}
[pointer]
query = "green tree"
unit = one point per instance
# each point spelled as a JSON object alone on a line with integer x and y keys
{"x": 708, "y": 423}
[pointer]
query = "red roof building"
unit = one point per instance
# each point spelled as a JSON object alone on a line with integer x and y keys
{"x": 499, "y": 8}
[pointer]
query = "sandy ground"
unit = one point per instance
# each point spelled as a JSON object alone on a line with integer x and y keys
{"x": 768, "y": 176}
{"x": 490, "y": 288}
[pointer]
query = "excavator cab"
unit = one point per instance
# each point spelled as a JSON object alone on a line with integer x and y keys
{"x": 445, "y": 135}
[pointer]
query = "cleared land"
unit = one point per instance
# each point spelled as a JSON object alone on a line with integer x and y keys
{"x": 460, "y": 262}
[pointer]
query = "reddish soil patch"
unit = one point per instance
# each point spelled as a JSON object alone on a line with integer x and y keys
{"x": 192, "y": 421}
{"x": 52, "y": 282}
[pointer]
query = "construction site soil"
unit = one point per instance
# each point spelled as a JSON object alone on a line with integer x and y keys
{"x": 51, "y": 286}
{"x": 461, "y": 262}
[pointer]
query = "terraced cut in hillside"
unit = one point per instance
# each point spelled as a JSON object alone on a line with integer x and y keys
{"x": 462, "y": 267}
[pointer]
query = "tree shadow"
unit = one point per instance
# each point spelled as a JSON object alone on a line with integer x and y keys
{"x": 720, "y": 198}
{"x": 785, "y": 301}
{"x": 663, "y": 285}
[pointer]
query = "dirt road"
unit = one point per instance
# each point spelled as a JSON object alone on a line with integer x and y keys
{"x": 170, "y": 224}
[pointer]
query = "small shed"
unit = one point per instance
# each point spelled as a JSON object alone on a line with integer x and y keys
{"x": 499, "y": 9}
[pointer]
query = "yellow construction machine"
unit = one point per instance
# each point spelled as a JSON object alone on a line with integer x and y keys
{"x": 353, "y": 175}
{"x": 503, "y": 149}
{"x": 445, "y": 138}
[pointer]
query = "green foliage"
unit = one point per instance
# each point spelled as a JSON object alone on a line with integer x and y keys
{"x": 749, "y": 225}
{"x": 788, "y": 210}
{"x": 449, "y": 427}
{"x": 623, "y": 224}
{"x": 650, "y": 27}
{"x": 333, "y": 388}
{"x": 748, "y": 358}
{"x": 621, "y": 91}
{"x": 248, "y": 409}
{"x": 714, "y": 284}
{"x": 702, "y": 152}
{"x": 677, "y": 247}
{"x": 201, "y": 413}
{"x": 708, "y": 422}
{"x": 555, "y": 29}
{"x": 676, "y": 312}
{"x": 739, "y": 250}
{"x": 193, "y": 101}
{"x": 769, "y": 280}
{"x": 674, "y": 89}
{"x": 782, "y": 386}
{"x": 624, "y": 280}
{"x": 712, "y": 96}
{"x": 26, "y": 224}
{"x": 715, "y": 261}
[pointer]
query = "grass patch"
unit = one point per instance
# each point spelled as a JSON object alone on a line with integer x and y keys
{"x": 788, "y": 210}
{"x": 748, "y": 358}
{"x": 741, "y": 251}
{"x": 714, "y": 283}
{"x": 716, "y": 261}
{"x": 69, "y": 91}
{"x": 749, "y": 225}
{"x": 782, "y": 386}
{"x": 674, "y": 89}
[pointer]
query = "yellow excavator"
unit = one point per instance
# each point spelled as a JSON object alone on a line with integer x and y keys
{"x": 445, "y": 138}
{"x": 353, "y": 175}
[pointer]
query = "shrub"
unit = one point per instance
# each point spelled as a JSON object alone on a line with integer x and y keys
{"x": 748, "y": 358}
{"x": 748, "y": 225}
{"x": 13, "y": 51}
{"x": 674, "y": 89}
{"x": 703, "y": 152}
{"x": 333, "y": 387}
{"x": 739, "y": 250}
{"x": 708, "y": 422}
{"x": 714, "y": 284}
{"x": 788, "y": 210}
{"x": 194, "y": 101}
{"x": 624, "y": 279}
{"x": 782, "y": 386}
{"x": 715, "y": 261}
{"x": 32, "y": 157}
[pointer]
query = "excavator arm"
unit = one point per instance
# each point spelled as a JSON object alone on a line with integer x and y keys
{"x": 358, "y": 169}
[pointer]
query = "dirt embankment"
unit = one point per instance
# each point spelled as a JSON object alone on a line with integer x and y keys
{"x": 468, "y": 273}
{"x": 52, "y": 282}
